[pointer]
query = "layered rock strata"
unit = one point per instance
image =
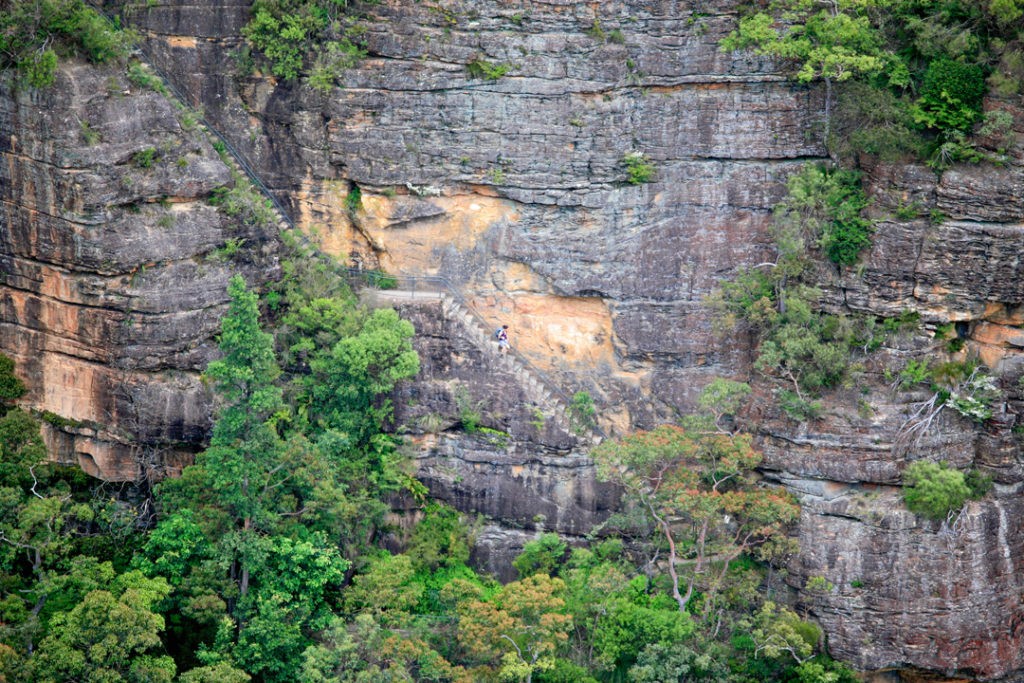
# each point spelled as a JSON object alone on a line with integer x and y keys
{"x": 515, "y": 190}
{"x": 111, "y": 286}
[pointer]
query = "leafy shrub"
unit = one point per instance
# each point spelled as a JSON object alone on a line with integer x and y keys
{"x": 140, "y": 75}
{"x": 915, "y": 372}
{"x": 974, "y": 397}
{"x": 496, "y": 176}
{"x": 378, "y": 279}
{"x": 978, "y": 483}
{"x": 11, "y": 387}
{"x": 541, "y": 556}
{"x": 34, "y": 32}
{"x": 1008, "y": 78}
{"x": 1006, "y": 12}
{"x": 481, "y": 68}
{"x": 90, "y": 135}
{"x": 333, "y": 58}
{"x": 954, "y": 149}
{"x": 286, "y": 31}
{"x": 354, "y": 199}
{"x": 951, "y": 95}
{"x": 244, "y": 202}
{"x": 230, "y": 249}
{"x": 582, "y": 413}
{"x": 638, "y": 168}
{"x": 564, "y": 671}
{"x": 875, "y": 121}
{"x": 998, "y": 127}
{"x": 810, "y": 349}
{"x": 282, "y": 36}
{"x": 934, "y": 490}
{"x": 469, "y": 410}
{"x": 144, "y": 158}
{"x": 439, "y": 540}
{"x": 827, "y": 204}
{"x": 797, "y": 407}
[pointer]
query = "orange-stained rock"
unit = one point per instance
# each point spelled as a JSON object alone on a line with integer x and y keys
{"x": 993, "y": 342}
{"x": 563, "y": 245}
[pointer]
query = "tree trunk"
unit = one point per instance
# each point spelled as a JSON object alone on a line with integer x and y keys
{"x": 243, "y": 584}
{"x": 681, "y": 600}
{"x": 828, "y": 113}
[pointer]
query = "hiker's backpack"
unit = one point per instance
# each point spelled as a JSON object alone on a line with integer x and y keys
{"x": 497, "y": 333}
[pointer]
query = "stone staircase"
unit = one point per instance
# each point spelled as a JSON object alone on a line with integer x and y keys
{"x": 540, "y": 392}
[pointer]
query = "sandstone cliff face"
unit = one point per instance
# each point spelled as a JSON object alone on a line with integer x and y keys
{"x": 110, "y": 294}
{"x": 514, "y": 190}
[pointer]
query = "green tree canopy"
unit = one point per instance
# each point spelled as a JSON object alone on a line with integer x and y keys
{"x": 111, "y": 635}
{"x": 696, "y": 488}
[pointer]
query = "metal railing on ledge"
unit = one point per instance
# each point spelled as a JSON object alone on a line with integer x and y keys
{"x": 182, "y": 99}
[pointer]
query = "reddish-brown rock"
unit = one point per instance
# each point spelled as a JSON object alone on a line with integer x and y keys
{"x": 514, "y": 189}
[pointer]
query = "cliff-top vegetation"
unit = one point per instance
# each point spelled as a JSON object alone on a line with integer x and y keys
{"x": 903, "y": 77}
{"x": 34, "y": 33}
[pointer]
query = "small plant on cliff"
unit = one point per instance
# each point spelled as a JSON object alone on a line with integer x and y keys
{"x": 89, "y": 134}
{"x": 483, "y": 69}
{"x": 537, "y": 419}
{"x": 469, "y": 410}
{"x": 582, "y": 413}
{"x": 229, "y": 250}
{"x": 140, "y": 75}
{"x": 144, "y": 158}
{"x": 243, "y": 202}
{"x": 496, "y": 176}
{"x": 934, "y": 490}
{"x": 819, "y": 585}
{"x": 333, "y": 59}
{"x": 354, "y": 200}
{"x": 639, "y": 169}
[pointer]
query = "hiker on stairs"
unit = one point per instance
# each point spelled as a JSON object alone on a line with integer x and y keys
{"x": 501, "y": 334}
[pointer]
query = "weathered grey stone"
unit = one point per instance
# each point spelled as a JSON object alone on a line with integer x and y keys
{"x": 109, "y": 297}
{"x": 539, "y": 154}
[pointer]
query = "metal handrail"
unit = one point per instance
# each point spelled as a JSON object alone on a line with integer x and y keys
{"x": 240, "y": 159}
{"x": 443, "y": 283}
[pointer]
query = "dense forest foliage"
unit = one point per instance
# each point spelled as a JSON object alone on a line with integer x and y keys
{"x": 903, "y": 78}
{"x": 264, "y": 559}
